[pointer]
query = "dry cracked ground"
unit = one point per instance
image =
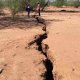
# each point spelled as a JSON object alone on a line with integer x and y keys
{"x": 19, "y": 62}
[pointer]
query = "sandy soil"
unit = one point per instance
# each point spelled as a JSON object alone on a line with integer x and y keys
{"x": 19, "y": 63}
{"x": 63, "y": 40}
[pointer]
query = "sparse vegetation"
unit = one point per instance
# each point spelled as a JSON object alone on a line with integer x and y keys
{"x": 15, "y": 6}
{"x": 1, "y": 3}
{"x": 42, "y": 2}
{"x": 34, "y": 2}
{"x": 60, "y": 3}
{"x": 73, "y": 3}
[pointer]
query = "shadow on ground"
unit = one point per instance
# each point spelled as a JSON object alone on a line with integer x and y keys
{"x": 21, "y": 22}
{"x": 7, "y": 22}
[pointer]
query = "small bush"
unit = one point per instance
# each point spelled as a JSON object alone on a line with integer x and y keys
{"x": 59, "y": 3}
{"x": 15, "y": 6}
{"x": 33, "y": 3}
{"x": 42, "y": 2}
{"x": 1, "y": 4}
{"x": 72, "y": 3}
{"x": 76, "y": 4}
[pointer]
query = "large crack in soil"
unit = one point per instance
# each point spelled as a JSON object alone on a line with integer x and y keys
{"x": 43, "y": 48}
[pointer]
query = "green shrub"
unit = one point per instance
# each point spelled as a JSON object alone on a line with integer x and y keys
{"x": 42, "y": 2}
{"x": 15, "y": 6}
{"x": 1, "y": 4}
{"x": 76, "y": 4}
{"x": 59, "y": 3}
{"x": 33, "y": 3}
{"x": 73, "y": 3}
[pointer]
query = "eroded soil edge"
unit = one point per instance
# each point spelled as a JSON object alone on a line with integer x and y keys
{"x": 43, "y": 49}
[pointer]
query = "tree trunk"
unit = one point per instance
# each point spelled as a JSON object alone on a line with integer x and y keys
{"x": 45, "y": 5}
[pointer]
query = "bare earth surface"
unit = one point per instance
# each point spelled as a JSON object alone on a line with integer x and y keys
{"x": 20, "y": 63}
{"x": 17, "y": 62}
{"x": 64, "y": 42}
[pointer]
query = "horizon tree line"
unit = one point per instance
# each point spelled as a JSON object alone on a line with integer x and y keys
{"x": 16, "y": 6}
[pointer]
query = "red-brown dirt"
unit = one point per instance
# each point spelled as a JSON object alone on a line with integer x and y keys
{"x": 20, "y": 63}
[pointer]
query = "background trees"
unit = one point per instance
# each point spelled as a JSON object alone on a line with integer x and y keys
{"x": 16, "y": 6}
{"x": 1, "y": 6}
{"x": 60, "y": 3}
{"x": 1, "y": 3}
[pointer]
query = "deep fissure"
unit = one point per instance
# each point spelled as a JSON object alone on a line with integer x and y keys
{"x": 48, "y": 75}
